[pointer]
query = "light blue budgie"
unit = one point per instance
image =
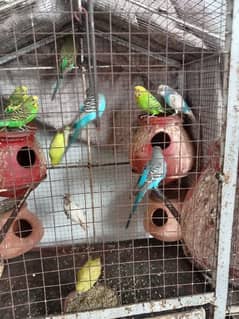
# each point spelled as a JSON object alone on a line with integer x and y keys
{"x": 88, "y": 113}
{"x": 175, "y": 101}
{"x": 153, "y": 174}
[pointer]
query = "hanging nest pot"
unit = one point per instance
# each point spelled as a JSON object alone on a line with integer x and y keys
{"x": 160, "y": 223}
{"x": 169, "y": 134}
{"x": 22, "y": 162}
{"x": 24, "y": 233}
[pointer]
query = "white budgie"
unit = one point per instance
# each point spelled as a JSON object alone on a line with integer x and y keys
{"x": 75, "y": 213}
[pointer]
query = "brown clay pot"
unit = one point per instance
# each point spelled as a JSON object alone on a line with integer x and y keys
{"x": 169, "y": 134}
{"x": 25, "y": 232}
{"x": 160, "y": 223}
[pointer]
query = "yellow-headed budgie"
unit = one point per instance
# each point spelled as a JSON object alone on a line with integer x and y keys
{"x": 147, "y": 102}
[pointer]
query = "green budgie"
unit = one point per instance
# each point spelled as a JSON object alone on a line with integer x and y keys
{"x": 15, "y": 100}
{"x": 21, "y": 114}
{"x": 66, "y": 62}
{"x": 147, "y": 102}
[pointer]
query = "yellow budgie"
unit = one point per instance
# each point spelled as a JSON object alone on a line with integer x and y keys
{"x": 88, "y": 275}
{"x": 59, "y": 145}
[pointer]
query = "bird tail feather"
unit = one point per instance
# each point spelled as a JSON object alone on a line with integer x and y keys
{"x": 138, "y": 199}
{"x": 56, "y": 87}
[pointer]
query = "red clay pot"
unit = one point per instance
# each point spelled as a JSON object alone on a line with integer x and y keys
{"x": 22, "y": 162}
{"x": 160, "y": 223}
{"x": 25, "y": 232}
{"x": 169, "y": 134}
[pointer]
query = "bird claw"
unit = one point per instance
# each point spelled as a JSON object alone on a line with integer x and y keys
{"x": 26, "y": 127}
{"x": 77, "y": 14}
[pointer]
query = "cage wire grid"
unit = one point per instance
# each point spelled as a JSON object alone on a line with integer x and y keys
{"x": 179, "y": 43}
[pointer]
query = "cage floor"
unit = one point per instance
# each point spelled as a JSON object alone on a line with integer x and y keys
{"x": 138, "y": 270}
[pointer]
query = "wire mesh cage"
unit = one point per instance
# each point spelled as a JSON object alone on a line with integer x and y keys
{"x": 167, "y": 257}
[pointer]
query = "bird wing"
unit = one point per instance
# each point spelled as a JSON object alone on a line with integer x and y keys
{"x": 88, "y": 275}
{"x": 176, "y": 101}
{"x": 143, "y": 177}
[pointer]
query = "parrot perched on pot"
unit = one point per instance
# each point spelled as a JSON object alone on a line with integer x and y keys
{"x": 147, "y": 102}
{"x": 88, "y": 275}
{"x": 59, "y": 145}
{"x": 66, "y": 63}
{"x": 75, "y": 213}
{"x": 154, "y": 172}
{"x": 19, "y": 115}
{"x": 88, "y": 113}
{"x": 175, "y": 101}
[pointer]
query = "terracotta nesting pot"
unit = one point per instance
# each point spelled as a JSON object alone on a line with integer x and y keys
{"x": 169, "y": 134}
{"x": 160, "y": 223}
{"x": 22, "y": 162}
{"x": 25, "y": 232}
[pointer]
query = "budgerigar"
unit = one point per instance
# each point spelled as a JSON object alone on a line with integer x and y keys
{"x": 88, "y": 113}
{"x": 75, "y": 213}
{"x": 147, "y": 102}
{"x": 15, "y": 100}
{"x": 66, "y": 62}
{"x": 175, "y": 101}
{"x": 59, "y": 145}
{"x": 153, "y": 174}
{"x": 88, "y": 275}
{"x": 18, "y": 116}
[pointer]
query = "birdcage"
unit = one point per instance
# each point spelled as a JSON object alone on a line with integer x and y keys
{"x": 179, "y": 254}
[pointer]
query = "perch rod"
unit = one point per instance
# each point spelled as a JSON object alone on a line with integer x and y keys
{"x": 156, "y": 56}
{"x": 93, "y": 55}
{"x": 87, "y": 165}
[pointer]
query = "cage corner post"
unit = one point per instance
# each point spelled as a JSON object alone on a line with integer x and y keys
{"x": 230, "y": 164}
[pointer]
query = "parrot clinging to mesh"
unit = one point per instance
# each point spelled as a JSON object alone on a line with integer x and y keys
{"x": 153, "y": 174}
{"x": 22, "y": 109}
{"x": 75, "y": 213}
{"x": 88, "y": 275}
{"x": 88, "y": 113}
{"x": 59, "y": 145}
{"x": 175, "y": 101}
{"x": 147, "y": 102}
{"x": 66, "y": 62}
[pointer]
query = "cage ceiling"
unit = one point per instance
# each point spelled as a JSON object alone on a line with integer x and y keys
{"x": 173, "y": 25}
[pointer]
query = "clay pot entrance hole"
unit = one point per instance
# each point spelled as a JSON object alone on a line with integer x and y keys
{"x": 26, "y": 157}
{"x": 161, "y": 139}
{"x": 159, "y": 217}
{"x": 22, "y": 228}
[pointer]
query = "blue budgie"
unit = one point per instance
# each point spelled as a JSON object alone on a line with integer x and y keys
{"x": 153, "y": 174}
{"x": 175, "y": 101}
{"x": 88, "y": 113}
